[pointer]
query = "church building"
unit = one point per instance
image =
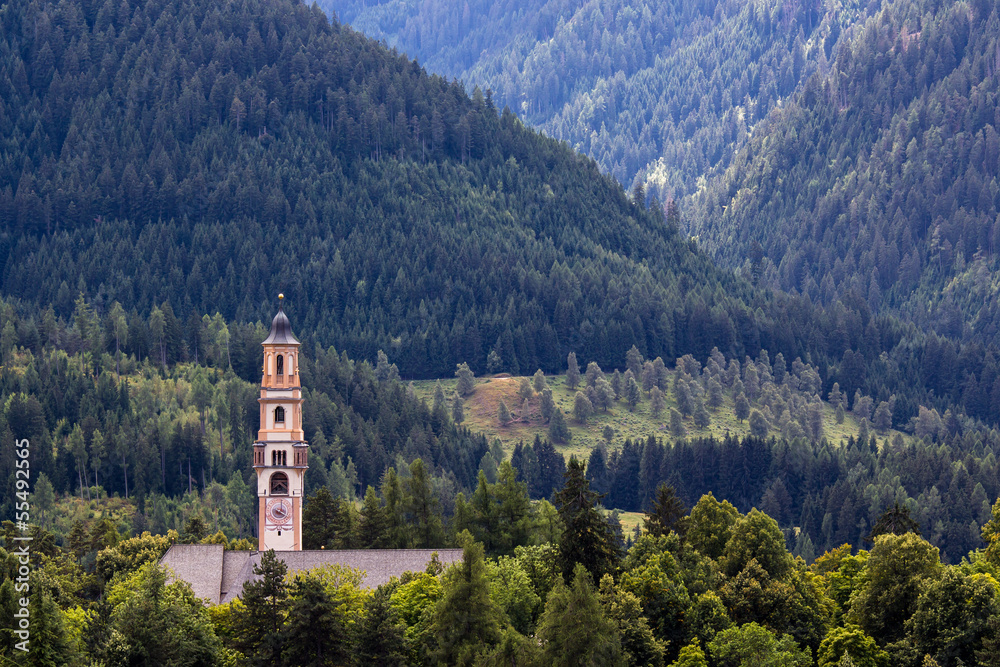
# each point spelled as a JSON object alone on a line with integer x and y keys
{"x": 280, "y": 460}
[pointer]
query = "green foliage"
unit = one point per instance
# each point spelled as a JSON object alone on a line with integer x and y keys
{"x": 130, "y": 555}
{"x": 257, "y": 623}
{"x": 666, "y": 512}
{"x": 756, "y": 537}
{"x": 751, "y": 645}
{"x": 639, "y": 645}
{"x": 952, "y": 616}
{"x": 898, "y": 568}
{"x": 316, "y": 630}
{"x": 574, "y": 629}
{"x": 558, "y": 428}
{"x": 586, "y": 538}
{"x": 850, "y": 640}
{"x": 690, "y": 656}
{"x": 465, "y": 619}
{"x": 378, "y": 637}
{"x": 160, "y": 624}
{"x": 711, "y": 524}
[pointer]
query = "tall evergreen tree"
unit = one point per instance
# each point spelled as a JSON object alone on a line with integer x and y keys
{"x": 587, "y": 538}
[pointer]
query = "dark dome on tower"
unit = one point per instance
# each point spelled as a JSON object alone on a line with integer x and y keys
{"x": 281, "y": 329}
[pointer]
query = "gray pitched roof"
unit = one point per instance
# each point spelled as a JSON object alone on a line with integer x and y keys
{"x": 218, "y": 576}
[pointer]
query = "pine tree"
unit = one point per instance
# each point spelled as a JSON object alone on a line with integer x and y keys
{"x": 378, "y": 635}
{"x": 466, "y": 380}
{"x": 558, "y": 428}
{"x": 741, "y": 407}
{"x": 758, "y": 424}
{"x": 547, "y": 405}
{"x": 524, "y": 390}
{"x": 656, "y": 402}
{"x": 573, "y": 629}
{"x": 572, "y": 371}
{"x": 257, "y": 622}
{"x": 633, "y": 394}
{"x": 666, "y": 513}
{"x": 617, "y": 384}
{"x": 582, "y": 408}
{"x": 539, "y": 382}
{"x": 593, "y": 373}
{"x": 586, "y": 538}
{"x": 503, "y": 414}
{"x": 465, "y": 619}
{"x": 457, "y": 408}
{"x": 677, "y": 424}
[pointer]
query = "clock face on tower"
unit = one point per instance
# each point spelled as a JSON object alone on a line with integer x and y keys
{"x": 279, "y": 513}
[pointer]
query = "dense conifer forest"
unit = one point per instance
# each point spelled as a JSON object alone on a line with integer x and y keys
{"x": 167, "y": 167}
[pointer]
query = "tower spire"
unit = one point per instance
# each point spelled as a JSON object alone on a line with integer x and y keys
{"x": 280, "y": 452}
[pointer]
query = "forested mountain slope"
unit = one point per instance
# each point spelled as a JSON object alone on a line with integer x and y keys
{"x": 209, "y": 155}
{"x": 206, "y": 156}
{"x": 657, "y": 92}
{"x": 880, "y": 177}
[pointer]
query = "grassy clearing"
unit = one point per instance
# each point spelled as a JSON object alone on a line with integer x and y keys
{"x": 482, "y": 406}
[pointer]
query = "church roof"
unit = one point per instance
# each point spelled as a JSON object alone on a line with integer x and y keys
{"x": 218, "y": 576}
{"x": 281, "y": 330}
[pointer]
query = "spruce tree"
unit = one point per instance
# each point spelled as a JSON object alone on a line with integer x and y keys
{"x": 677, "y": 424}
{"x": 572, "y": 371}
{"x": 315, "y": 632}
{"x": 656, "y": 402}
{"x": 378, "y": 635}
{"x": 547, "y": 405}
{"x": 457, "y": 408}
{"x": 373, "y": 530}
{"x": 538, "y": 381}
{"x": 257, "y": 622}
{"x": 466, "y": 380}
{"x": 586, "y": 537}
{"x": 666, "y": 512}
{"x": 320, "y": 516}
{"x": 558, "y": 428}
{"x": 741, "y": 407}
{"x": 465, "y": 620}
{"x": 503, "y": 414}
{"x": 582, "y": 407}
{"x": 439, "y": 398}
{"x": 573, "y": 630}
{"x": 633, "y": 394}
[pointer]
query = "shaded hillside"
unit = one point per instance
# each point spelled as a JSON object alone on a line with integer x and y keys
{"x": 209, "y": 155}
{"x": 659, "y": 93}
{"x": 880, "y": 178}
{"x": 189, "y": 159}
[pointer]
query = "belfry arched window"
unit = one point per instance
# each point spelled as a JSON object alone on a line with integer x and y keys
{"x": 279, "y": 413}
{"x": 281, "y": 365}
{"x": 279, "y": 484}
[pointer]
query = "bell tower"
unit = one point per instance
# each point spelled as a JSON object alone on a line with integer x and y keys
{"x": 280, "y": 454}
